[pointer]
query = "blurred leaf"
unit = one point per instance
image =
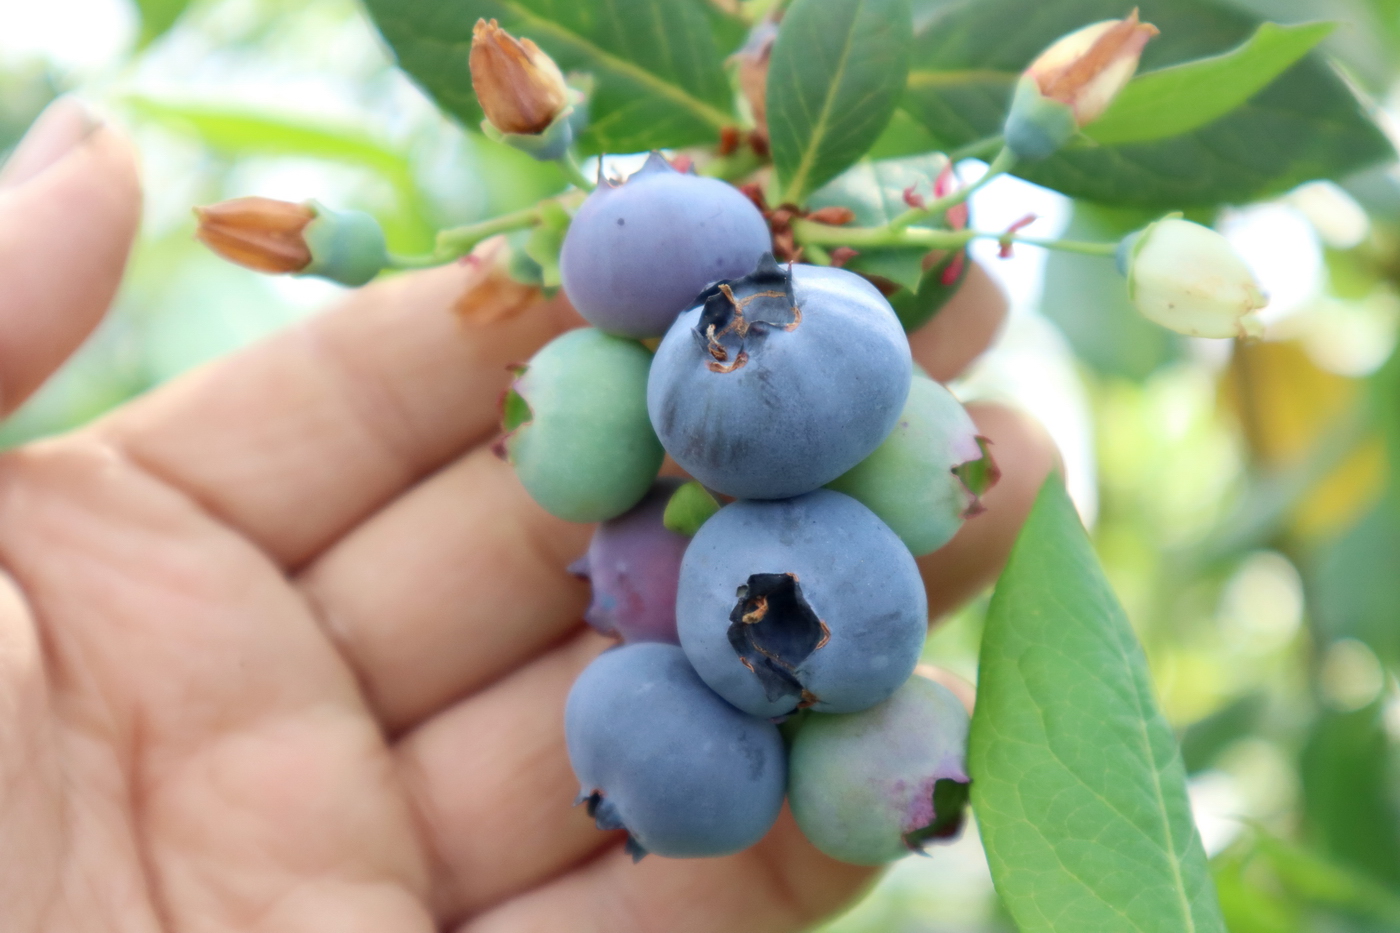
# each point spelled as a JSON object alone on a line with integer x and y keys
{"x": 1079, "y": 792}
{"x": 241, "y": 132}
{"x": 657, "y": 66}
{"x": 1327, "y": 883}
{"x": 1290, "y": 409}
{"x": 916, "y": 307}
{"x": 1176, "y": 100}
{"x": 874, "y": 191}
{"x": 1350, "y": 789}
{"x": 1355, "y": 588}
{"x": 1307, "y": 124}
{"x": 1204, "y": 740}
{"x": 1249, "y": 908}
{"x": 833, "y": 82}
{"x": 157, "y": 16}
{"x": 1088, "y": 299}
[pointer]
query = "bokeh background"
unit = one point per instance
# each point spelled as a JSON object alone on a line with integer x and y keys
{"x": 1240, "y": 497}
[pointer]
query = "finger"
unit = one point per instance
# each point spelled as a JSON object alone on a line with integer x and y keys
{"x": 461, "y": 578}
{"x": 963, "y": 328}
{"x": 70, "y": 200}
{"x": 780, "y": 885}
{"x": 491, "y": 782}
{"x": 296, "y": 439}
{"x": 970, "y": 562}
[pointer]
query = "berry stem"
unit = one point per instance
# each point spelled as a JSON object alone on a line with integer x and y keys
{"x": 568, "y": 163}
{"x": 1002, "y": 164}
{"x": 458, "y": 241}
{"x": 808, "y": 233}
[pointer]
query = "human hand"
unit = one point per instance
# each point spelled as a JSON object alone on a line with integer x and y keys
{"x": 284, "y": 647}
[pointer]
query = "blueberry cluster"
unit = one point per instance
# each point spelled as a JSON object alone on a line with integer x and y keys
{"x": 789, "y": 390}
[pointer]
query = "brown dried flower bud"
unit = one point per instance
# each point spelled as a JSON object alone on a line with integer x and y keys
{"x": 519, "y": 87}
{"x": 259, "y": 233}
{"x": 1086, "y": 69}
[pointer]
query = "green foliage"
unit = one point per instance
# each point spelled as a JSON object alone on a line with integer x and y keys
{"x": 833, "y": 82}
{"x": 657, "y": 64}
{"x": 157, "y": 16}
{"x": 1357, "y": 591}
{"x": 1306, "y": 124}
{"x": 1351, "y": 792}
{"x": 1176, "y": 100}
{"x": 1204, "y": 740}
{"x": 1078, "y": 788}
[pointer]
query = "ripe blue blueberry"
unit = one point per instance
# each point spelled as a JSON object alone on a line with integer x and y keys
{"x": 929, "y": 474}
{"x": 658, "y": 754}
{"x": 637, "y": 254}
{"x": 577, "y": 429}
{"x": 632, "y": 564}
{"x": 872, "y": 786}
{"x": 805, "y": 602}
{"x": 779, "y": 382}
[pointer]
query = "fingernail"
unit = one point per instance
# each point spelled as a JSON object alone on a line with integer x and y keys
{"x": 63, "y": 124}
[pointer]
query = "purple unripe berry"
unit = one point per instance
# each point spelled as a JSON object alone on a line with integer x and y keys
{"x": 870, "y": 787}
{"x": 638, "y": 253}
{"x": 658, "y": 754}
{"x": 805, "y": 602}
{"x": 633, "y": 564}
{"x": 779, "y": 382}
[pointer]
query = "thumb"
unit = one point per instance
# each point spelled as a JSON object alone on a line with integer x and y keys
{"x": 70, "y": 200}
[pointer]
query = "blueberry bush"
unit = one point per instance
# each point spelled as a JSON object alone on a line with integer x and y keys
{"x": 797, "y": 213}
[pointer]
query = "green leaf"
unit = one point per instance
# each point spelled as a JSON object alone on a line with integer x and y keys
{"x": 157, "y": 16}
{"x": 658, "y": 70}
{"x": 1350, "y": 790}
{"x": 1354, "y": 584}
{"x": 1178, "y": 99}
{"x": 1204, "y": 740}
{"x": 833, "y": 82}
{"x": 1306, "y": 124}
{"x": 1078, "y": 788}
{"x": 874, "y": 191}
{"x": 244, "y": 132}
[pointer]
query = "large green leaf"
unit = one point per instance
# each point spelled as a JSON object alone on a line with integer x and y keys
{"x": 658, "y": 70}
{"x": 833, "y": 82}
{"x": 1306, "y": 124}
{"x": 1176, "y": 100}
{"x": 1076, "y": 780}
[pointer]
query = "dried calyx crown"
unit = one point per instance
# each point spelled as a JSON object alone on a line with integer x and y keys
{"x": 737, "y": 309}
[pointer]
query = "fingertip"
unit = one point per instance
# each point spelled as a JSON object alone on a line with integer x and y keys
{"x": 963, "y": 328}
{"x": 69, "y": 209}
{"x": 971, "y": 561}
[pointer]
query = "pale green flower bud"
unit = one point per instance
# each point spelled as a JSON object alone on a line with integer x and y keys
{"x": 1187, "y": 278}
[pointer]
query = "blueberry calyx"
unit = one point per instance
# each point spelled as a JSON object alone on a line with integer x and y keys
{"x": 949, "y": 809}
{"x": 773, "y": 629}
{"x": 978, "y": 475}
{"x": 738, "y": 308}
{"x": 606, "y": 817}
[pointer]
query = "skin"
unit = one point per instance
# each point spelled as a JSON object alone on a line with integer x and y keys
{"x": 284, "y": 647}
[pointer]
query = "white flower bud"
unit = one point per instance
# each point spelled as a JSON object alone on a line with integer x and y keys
{"x": 1187, "y": 278}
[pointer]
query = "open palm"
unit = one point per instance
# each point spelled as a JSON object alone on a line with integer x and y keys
{"x": 284, "y": 647}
